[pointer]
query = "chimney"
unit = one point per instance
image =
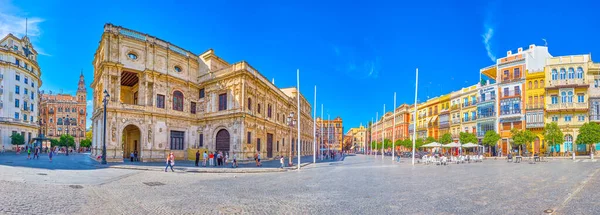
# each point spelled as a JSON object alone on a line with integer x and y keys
{"x": 508, "y": 53}
{"x": 520, "y": 50}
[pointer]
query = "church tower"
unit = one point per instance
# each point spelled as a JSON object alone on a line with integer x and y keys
{"x": 81, "y": 92}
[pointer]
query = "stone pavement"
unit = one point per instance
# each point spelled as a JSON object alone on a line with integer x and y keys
{"x": 357, "y": 185}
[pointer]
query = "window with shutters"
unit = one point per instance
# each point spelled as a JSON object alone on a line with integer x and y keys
{"x": 160, "y": 101}
{"x": 193, "y": 107}
{"x": 223, "y": 101}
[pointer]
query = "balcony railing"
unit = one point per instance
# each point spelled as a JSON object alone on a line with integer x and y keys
{"x": 455, "y": 107}
{"x": 486, "y": 99}
{"x": 563, "y": 106}
{"x": 465, "y": 119}
{"x": 485, "y": 115}
{"x": 567, "y": 82}
{"x": 534, "y": 106}
{"x": 473, "y": 118}
{"x": 510, "y": 93}
{"x": 510, "y": 111}
{"x": 455, "y": 121}
{"x": 444, "y": 124}
{"x": 594, "y": 117}
{"x": 534, "y": 124}
{"x": 466, "y": 104}
{"x": 508, "y": 79}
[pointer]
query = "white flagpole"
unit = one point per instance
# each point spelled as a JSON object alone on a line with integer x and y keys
{"x": 382, "y": 133}
{"x": 394, "y": 129}
{"x": 415, "y": 118}
{"x": 315, "y": 128}
{"x": 371, "y": 136}
{"x": 298, "y": 95}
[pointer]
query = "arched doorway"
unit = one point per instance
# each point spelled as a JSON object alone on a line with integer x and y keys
{"x": 222, "y": 141}
{"x": 568, "y": 145}
{"x": 130, "y": 141}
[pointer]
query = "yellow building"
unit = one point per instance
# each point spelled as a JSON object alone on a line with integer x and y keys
{"x": 357, "y": 137}
{"x": 455, "y": 110}
{"x": 444, "y": 115}
{"x": 567, "y": 96}
{"x": 422, "y": 118}
{"x": 468, "y": 111}
{"x": 534, "y": 108}
{"x": 432, "y": 119}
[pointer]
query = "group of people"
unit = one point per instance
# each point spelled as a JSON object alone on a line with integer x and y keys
{"x": 133, "y": 156}
{"x": 220, "y": 157}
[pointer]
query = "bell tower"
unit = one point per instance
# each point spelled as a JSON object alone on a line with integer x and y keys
{"x": 81, "y": 92}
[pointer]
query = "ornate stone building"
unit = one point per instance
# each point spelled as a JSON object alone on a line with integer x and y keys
{"x": 64, "y": 113}
{"x": 19, "y": 83}
{"x": 166, "y": 99}
{"x": 333, "y": 134}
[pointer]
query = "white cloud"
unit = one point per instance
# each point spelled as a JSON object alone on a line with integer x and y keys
{"x": 487, "y": 37}
{"x": 19, "y": 24}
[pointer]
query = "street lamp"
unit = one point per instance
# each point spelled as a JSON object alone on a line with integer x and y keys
{"x": 291, "y": 121}
{"x": 67, "y": 122}
{"x": 104, "y": 101}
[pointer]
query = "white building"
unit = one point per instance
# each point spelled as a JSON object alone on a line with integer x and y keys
{"x": 19, "y": 83}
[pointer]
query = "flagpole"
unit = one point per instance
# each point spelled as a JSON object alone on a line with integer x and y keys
{"x": 322, "y": 139}
{"x": 376, "y": 117}
{"x": 394, "y": 129}
{"x": 315, "y": 128}
{"x": 371, "y": 136}
{"x": 415, "y": 118}
{"x": 298, "y": 104}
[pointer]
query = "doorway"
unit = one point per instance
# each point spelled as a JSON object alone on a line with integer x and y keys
{"x": 130, "y": 138}
{"x": 222, "y": 143}
{"x": 269, "y": 145}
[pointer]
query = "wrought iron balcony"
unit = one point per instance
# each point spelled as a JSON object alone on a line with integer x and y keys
{"x": 567, "y": 106}
{"x": 534, "y": 106}
{"x": 485, "y": 115}
{"x": 510, "y": 93}
{"x": 510, "y": 112}
{"x": 455, "y": 107}
{"x": 455, "y": 121}
{"x": 534, "y": 124}
{"x": 595, "y": 118}
{"x": 486, "y": 99}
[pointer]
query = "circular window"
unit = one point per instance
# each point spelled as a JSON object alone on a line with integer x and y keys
{"x": 132, "y": 56}
{"x": 177, "y": 69}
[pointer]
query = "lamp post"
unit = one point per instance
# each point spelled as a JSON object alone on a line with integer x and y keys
{"x": 291, "y": 122}
{"x": 67, "y": 122}
{"x": 104, "y": 101}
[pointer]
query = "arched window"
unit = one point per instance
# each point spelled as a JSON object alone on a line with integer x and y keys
{"x": 59, "y": 122}
{"x": 579, "y": 72}
{"x": 535, "y": 84}
{"x": 563, "y": 97}
{"x": 563, "y": 74}
{"x": 178, "y": 101}
{"x": 568, "y": 138}
{"x": 529, "y": 85}
{"x": 571, "y": 73}
{"x": 542, "y": 83}
{"x": 570, "y": 97}
{"x": 554, "y": 74}
{"x": 249, "y": 104}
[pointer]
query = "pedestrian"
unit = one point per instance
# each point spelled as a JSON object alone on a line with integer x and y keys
{"x": 258, "y": 156}
{"x": 218, "y": 155}
{"x": 204, "y": 158}
{"x": 135, "y": 156}
{"x": 131, "y": 156}
{"x": 170, "y": 162}
{"x": 197, "y": 157}
{"x": 36, "y": 153}
{"x": 28, "y": 153}
{"x": 50, "y": 155}
{"x": 281, "y": 162}
{"x": 211, "y": 159}
{"x": 226, "y": 158}
{"x": 2, "y": 149}
{"x": 234, "y": 164}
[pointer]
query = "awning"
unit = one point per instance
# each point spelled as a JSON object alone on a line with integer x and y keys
{"x": 470, "y": 145}
{"x": 452, "y": 145}
{"x": 434, "y": 118}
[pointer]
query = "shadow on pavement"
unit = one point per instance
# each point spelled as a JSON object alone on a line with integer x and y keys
{"x": 75, "y": 161}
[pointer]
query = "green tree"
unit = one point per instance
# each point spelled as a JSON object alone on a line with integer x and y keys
{"x": 17, "y": 139}
{"x": 430, "y": 140}
{"x": 398, "y": 143}
{"x": 553, "y": 135}
{"x": 85, "y": 143}
{"x": 521, "y": 138}
{"x": 88, "y": 134}
{"x": 446, "y": 138}
{"x": 54, "y": 143}
{"x": 589, "y": 134}
{"x": 465, "y": 137}
{"x": 66, "y": 140}
{"x": 419, "y": 142}
{"x": 374, "y": 145}
{"x": 490, "y": 139}
{"x": 387, "y": 144}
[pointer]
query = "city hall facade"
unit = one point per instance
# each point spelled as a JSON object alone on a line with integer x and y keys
{"x": 163, "y": 98}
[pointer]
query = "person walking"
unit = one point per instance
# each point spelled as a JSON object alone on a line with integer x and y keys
{"x": 170, "y": 162}
{"x": 204, "y": 158}
{"x": 197, "y": 157}
{"x": 226, "y": 158}
{"x": 281, "y": 162}
{"x": 3, "y": 149}
{"x": 135, "y": 156}
{"x": 219, "y": 158}
{"x": 234, "y": 164}
{"x": 36, "y": 153}
{"x": 131, "y": 156}
{"x": 50, "y": 155}
{"x": 28, "y": 152}
{"x": 211, "y": 159}
{"x": 258, "y": 156}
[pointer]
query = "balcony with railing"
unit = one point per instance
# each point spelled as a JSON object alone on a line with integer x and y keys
{"x": 534, "y": 106}
{"x": 567, "y": 83}
{"x": 445, "y": 124}
{"x": 421, "y": 127}
{"x": 509, "y": 79}
{"x": 507, "y": 112}
{"x": 455, "y": 107}
{"x": 595, "y": 118}
{"x": 567, "y": 107}
{"x": 456, "y": 121}
{"x": 510, "y": 93}
{"x": 467, "y": 119}
{"x": 481, "y": 100}
{"x": 534, "y": 124}
{"x": 482, "y": 133}
{"x": 486, "y": 114}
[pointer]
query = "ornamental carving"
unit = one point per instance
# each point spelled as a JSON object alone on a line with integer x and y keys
{"x": 149, "y": 135}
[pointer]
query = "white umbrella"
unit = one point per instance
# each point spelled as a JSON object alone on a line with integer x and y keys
{"x": 431, "y": 145}
{"x": 452, "y": 145}
{"x": 470, "y": 145}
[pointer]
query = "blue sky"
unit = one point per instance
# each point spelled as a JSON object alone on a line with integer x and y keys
{"x": 357, "y": 53}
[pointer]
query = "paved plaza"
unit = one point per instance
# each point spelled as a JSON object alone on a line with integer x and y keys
{"x": 354, "y": 185}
